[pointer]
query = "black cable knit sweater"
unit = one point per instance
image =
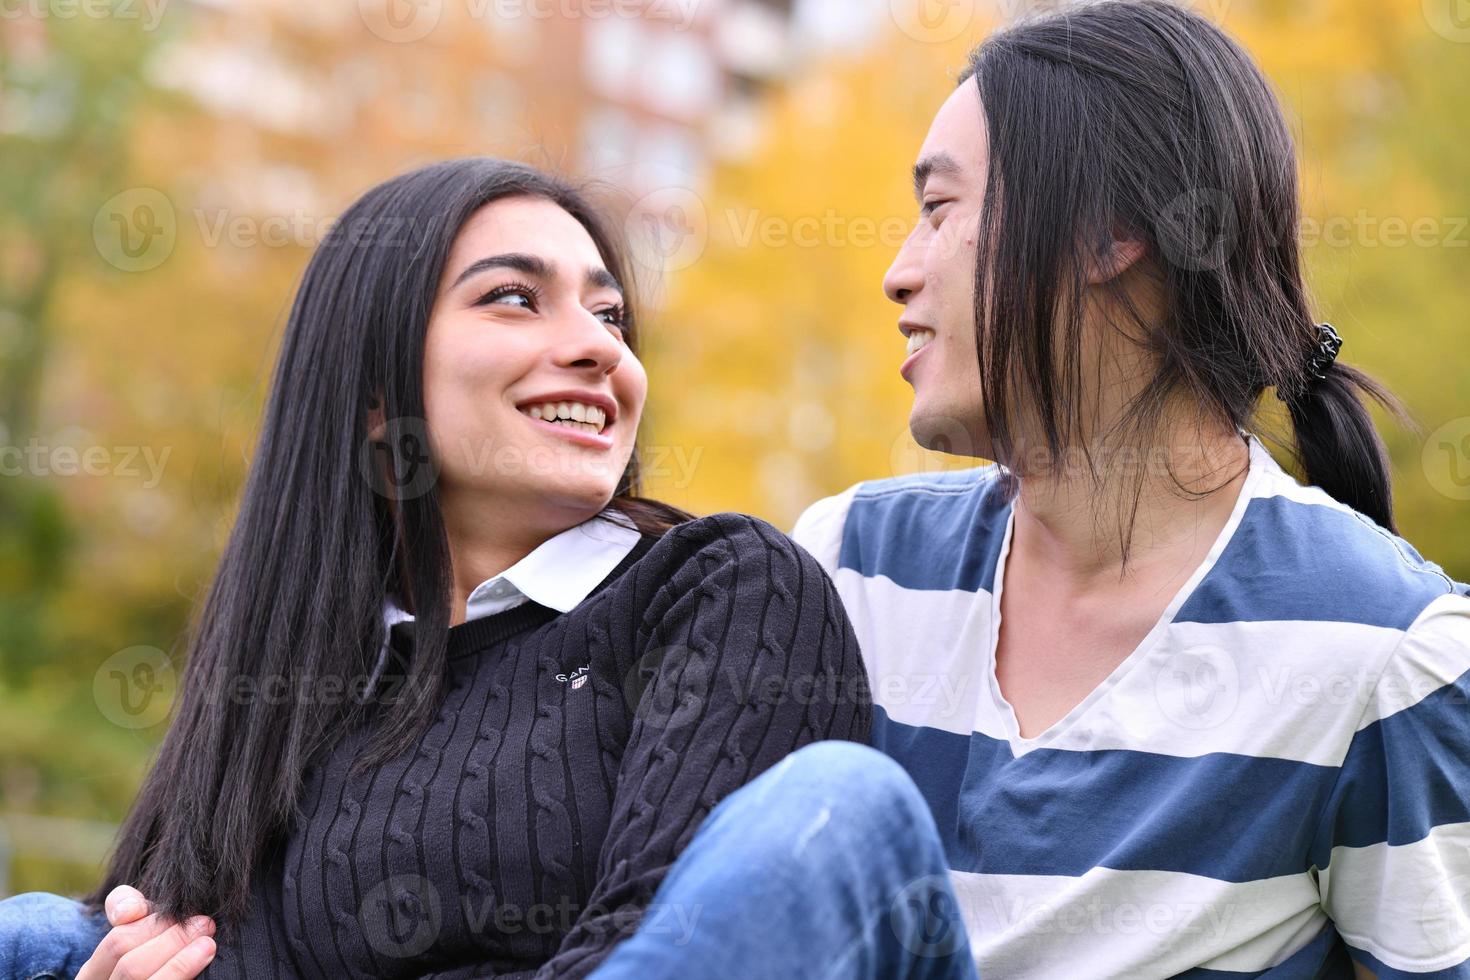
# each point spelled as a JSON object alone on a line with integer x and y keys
{"x": 572, "y": 759}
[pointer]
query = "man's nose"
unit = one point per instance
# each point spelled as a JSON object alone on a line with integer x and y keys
{"x": 905, "y": 276}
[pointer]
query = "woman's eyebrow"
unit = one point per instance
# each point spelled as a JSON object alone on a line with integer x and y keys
{"x": 534, "y": 265}
{"x": 602, "y": 279}
{"x": 531, "y": 265}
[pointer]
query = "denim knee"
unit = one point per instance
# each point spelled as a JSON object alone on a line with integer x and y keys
{"x": 858, "y": 774}
{"x": 45, "y": 935}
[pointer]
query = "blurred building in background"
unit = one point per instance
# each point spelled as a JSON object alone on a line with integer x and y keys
{"x": 645, "y": 94}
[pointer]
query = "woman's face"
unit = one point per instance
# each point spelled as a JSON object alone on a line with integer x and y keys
{"x": 531, "y": 395}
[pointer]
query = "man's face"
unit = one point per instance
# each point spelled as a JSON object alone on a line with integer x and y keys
{"x": 933, "y": 278}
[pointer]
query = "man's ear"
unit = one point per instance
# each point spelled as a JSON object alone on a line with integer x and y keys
{"x": 1115, "y": 259}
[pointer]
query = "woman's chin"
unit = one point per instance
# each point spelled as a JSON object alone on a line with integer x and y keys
{"x": 583, "y": 500}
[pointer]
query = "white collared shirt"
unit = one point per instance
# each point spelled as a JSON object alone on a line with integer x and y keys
{"x": 559, "y": 573}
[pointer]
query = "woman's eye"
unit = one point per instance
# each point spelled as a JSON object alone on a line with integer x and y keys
{"x": 521, "y": 297}
{"x": 613, "y": 316}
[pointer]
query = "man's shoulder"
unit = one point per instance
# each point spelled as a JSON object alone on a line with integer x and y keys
{"x": 898, "y": 525}
{"x": 1298, "y": 555}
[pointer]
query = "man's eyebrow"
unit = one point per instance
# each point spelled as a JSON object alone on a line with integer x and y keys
{"x": 531, "y": 265}
{"x": 937, "y": 163}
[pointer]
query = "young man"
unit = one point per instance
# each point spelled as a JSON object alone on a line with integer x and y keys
{"x": 1174, "y": 712}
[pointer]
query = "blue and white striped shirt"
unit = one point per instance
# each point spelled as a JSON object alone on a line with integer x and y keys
{"x": 1280, "y": 767}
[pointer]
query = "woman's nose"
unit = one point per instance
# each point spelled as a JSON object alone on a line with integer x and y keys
{"x": 591, "y": 346}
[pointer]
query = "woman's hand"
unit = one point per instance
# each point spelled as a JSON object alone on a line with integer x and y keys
{"x": 142, "y": 946}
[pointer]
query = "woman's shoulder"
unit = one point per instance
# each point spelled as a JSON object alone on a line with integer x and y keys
{"x": 722, "y": 554}
{"x": 711, "y": 553}
{"x": 723, "y": 538}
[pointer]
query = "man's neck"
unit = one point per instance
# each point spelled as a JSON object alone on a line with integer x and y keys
{"x": 1087, "y": 535}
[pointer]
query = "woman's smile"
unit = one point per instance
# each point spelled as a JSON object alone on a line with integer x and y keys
{"x": 585, "y": 418}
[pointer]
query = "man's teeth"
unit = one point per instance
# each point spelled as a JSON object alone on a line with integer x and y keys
{"x": 588, "y": 418}
{"x": 919, "y": 339}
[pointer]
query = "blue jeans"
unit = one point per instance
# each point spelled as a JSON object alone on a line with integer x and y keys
{"x": 46, "y": 936}
{"x": 828, "y": 865}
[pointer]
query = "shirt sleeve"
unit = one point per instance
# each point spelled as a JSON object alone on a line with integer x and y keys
{"x": 744, "y": 656}
{"x": 820, "y": 527}
{"x": 1393, "y": 848}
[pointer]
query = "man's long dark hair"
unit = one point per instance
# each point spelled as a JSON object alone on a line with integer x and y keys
{"x": 1140, "y": 119}
{"x": 295, "y": 605}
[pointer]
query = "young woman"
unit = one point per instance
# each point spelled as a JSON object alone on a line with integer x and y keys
{"x": 1175, "y": 711}
{"x": 458, "y": 697}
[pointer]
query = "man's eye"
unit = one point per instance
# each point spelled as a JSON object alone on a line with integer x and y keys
{"x": 930, "y": 207}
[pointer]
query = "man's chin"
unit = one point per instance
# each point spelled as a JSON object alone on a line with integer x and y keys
{"x": 944, "y": 433}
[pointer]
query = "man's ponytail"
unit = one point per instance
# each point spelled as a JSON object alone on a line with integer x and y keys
{"x": 1337, "y": 444}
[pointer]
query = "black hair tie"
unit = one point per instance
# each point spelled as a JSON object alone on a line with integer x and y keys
{"x": 1324, "y": 353}
{"x": 1328, "y": 344}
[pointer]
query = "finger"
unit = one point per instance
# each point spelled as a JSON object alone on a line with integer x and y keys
{"x": 149, "y": 958}
{"x": 188, "y": 962}
{"x": 125, "y": 904}
{"x": 119, "y": 941}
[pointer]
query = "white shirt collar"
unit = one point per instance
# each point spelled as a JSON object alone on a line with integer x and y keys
{"x": 559, "y": 573}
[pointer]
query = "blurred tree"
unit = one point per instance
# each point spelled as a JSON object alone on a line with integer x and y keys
{"x": 67, "y": 88}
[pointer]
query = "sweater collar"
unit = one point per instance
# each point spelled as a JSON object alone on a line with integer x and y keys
{"x": 554, "y": 578}
{"x": 559, "y": 573}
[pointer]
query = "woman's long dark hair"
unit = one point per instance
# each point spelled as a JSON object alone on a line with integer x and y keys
{"x": 1139, "y": 119}
{"x": 296, "y": 603}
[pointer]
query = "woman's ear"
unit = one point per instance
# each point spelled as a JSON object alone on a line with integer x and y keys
{"x": 377, "y": 424}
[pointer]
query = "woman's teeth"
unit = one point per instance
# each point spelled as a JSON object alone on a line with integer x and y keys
{"x": 575, "y": 415}
{"x": 919, "y": 339}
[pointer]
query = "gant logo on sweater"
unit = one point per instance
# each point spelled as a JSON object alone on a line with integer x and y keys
{"x": 576, "y": 678}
